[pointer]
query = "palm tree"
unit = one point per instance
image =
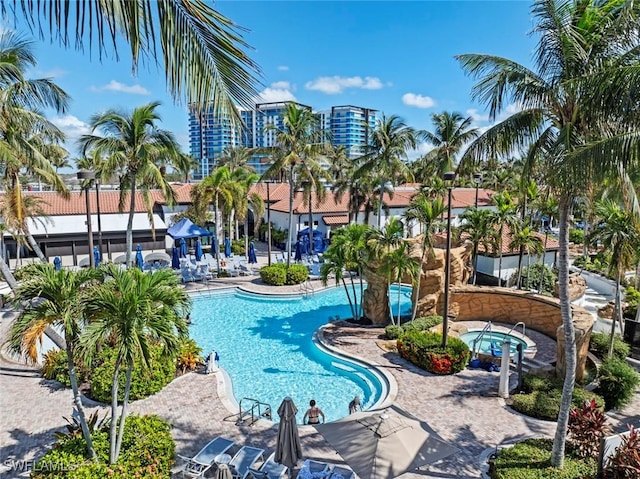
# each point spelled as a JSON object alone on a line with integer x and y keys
{"x": 52, "y": 298}
{"x": 299, "y": 146}
{"x": 203, "y": 51}
{"x": 236, "y": 158}
{"x": 525, "y": 240}
{"x": 133, "y": 310}
{"x": 503, "y": 215}
{"x": 387, "y": 154}
{"x": 476, "y": 223}
{"x": 425, "y": 212}
{"x": 585, "y": 57}
{"x": 134, "y": 145}
{"x": 619, "y": 232}
{"x": 547, "y": 208}
{"x": 452, "y": 132}
{"x": 185, "y": 164}
{"x": 217, "y": 188}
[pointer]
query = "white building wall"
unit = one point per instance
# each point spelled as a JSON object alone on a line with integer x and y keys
{"x": 490, "y": 266}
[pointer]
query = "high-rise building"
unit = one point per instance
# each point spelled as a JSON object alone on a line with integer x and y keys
{"x": 210, "y": 134}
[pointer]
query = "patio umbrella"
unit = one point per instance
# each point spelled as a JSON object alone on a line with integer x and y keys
{"x": 96, "y": 256}
{"x": 227, "y": 247}
{"x": 223, "y": 472}
{"x": 139, "y": 258}
{"x": 288, "y": 451}
{"x": 183, "y": 248}
{"x": 298, "y": 255}
{"x": 175, "y": 258}
{"x": 198, "y": 250}
{"x": 252, "y": 253}
{"x": 386, "y": 443}
{"x": 57, "y": 263}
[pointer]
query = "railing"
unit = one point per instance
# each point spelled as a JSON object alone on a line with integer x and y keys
{"x": 487, "y": 328}
{"x": 253, "y": 411}
{"x": 307, "y": 288}
{"x": 519, "y": 323}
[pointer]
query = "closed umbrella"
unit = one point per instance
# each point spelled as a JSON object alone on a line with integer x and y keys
{"x": 183, "y": 248}
{"x": 96, "y": 256}
{"x": 223, "y": 472}
{"x": 139, "y": 258}
{"x": 227, "y": 247}
{"x": 175, "y": 258}
{"x": 57, "y": 263}
{"x": 252, "y": 253}
{"x": 288, "y": 450}
{"x": 298, "y": 255}
{"x": 198, "y": 250}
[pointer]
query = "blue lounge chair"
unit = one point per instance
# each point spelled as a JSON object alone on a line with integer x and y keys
{"x": 244, "y": 460}
{"x": 269, "y": 470}
{"x": 197, "y": 465}
{"x": 342, "y": 472}
{"x": 312, "y": 467}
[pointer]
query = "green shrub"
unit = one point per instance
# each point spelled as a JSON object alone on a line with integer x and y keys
{"x": 393, "y": 331}
{"x": 632, "y": 298}
{"x": 278, "y": 275}
{"x": 541, "y": 397}
{"x": 599, "y": 345}
{"x": 422, "y": 324}
{"x": 576, "y": 236}
{"x": 237, "y": 247}
{"x": 617, "y": 382}
{"x": 531, "y": 277}
{"x": 147, "y": 452}
{"x": 144, "y": 382}
{"x": 531, "y": 459}
{"x": 55, "y": 367}
{"x": 423, "y": 348}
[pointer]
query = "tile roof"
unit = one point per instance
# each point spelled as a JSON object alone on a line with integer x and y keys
{"x": 336, "y": 220}
{"x": 552, "y": 243}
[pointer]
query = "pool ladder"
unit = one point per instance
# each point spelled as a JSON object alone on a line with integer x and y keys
{"x": 252, "y": 411}
{"x": 307, "y": 288}
{"x": 474, "y": 351}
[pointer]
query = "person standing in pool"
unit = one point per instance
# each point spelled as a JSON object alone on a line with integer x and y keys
{"x": 313, "y": 413}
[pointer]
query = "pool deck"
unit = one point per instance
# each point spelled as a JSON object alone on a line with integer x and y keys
{"x": 463, "y": 409}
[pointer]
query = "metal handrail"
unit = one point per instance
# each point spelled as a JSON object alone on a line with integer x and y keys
{"x": 255, "y": 415}
{"x": 519, "y": 323}
{"x": 487, "y": 327}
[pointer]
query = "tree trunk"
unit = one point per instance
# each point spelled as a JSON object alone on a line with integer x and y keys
{"x": 132, "y": 212}
{"x": 310, "y": 225}
{"x": 544, "y": 256}
{"x": 77, "y": 400}
{"x": 520, "y": 259}
{"x": 375, "y": 299}
{"x": 346, "y": 290}
{"x": 356, "y": 311}
{"x": 217, "y": 219}
{"x": 380, "y": 196}
{"x": 416, "y": 293}
{"x": 290, "y": 233}
{"x": 34, "y": 245}
{"x": 114, "y": 413}
{"x": 475, "y": 262}
{"x": 7, "y": 274}
{"x": 500, "y": 261}
{"x": 617, "y": 310}
{"x": 559, "y": 441}
{"x": 125, "y": 403}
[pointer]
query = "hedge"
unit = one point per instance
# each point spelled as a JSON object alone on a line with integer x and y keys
{"x": 147, "y": 452}
{"x": 599, "y": 345}
{"x": 279, "y": 275}
{"x": 420, "y": 324}
{"x": 423, "y": 348}
{"x": 617, "y": 382}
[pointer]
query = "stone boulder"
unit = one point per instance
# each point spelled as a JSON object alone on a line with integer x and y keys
{"x": 375, "y": 298}
{"x": 577, "y": 287}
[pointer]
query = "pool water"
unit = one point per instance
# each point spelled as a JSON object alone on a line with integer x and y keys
{"x": 492, "y": 340}
{"x": 265, "y": 344}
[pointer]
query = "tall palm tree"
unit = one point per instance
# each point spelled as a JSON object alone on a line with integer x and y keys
{"x": 619, "y": 232}
{"x": 134, "y": 145}
{"x": 426, "y": 212}
{"x": 586, "y": 55}
{"x": 299, "y": 145}
{"x": 236, "y": 158}
{"x": 203, "y": 52}
{"x": 398, "y": 264}
{"x": 386, "y": 156}
{"x": 525, "y": 240}
{"x": 451, "y": 134}
{"x": 133, "y": 310}
{"x": 185, "y": 164}
{"x": 503, "y": 215}
{"x": 52, "y": 298}
{"x": 476, "y": 223}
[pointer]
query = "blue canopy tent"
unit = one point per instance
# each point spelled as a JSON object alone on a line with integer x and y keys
{"x": 139, "y": 258}
{"x": 185, "y": 228}
{"x": 318, "y": 241}
{"x": 198, "y": 251}
{"x": 175, "y": 258}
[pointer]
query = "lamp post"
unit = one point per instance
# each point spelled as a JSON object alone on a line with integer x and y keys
{"x": 477, "y": 179}
{"x": 384, "y": 186}
{"x": 268, "y": 225}
{"x": 88, "y": 175}
{"x": 99, "y": 219}
{"x": 449, "y": 176}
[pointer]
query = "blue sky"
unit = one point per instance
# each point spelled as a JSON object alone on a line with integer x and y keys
{"x": 396, "y": 57}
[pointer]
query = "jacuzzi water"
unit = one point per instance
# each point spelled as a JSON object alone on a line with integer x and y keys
{"x": 265, "y": 344}
{"x": 492, "y": 341}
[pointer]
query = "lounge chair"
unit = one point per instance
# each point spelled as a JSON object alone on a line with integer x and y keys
{"x": 244, "y": 460}
{"x": 269, "y": 470}
{"x": 197, "y": 465}
{"x": 312, "y": 467}
{"x": 343, "y": 472}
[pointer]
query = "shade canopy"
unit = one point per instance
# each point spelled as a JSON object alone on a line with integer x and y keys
{"x": 288, "y": 451}
{"x": 305, "y": 232}
{"x": 383, "y": 444}
{"x": 185, "y": 228}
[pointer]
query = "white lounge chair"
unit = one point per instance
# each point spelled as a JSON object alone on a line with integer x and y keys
{"x": 269, "y": 470}
{"x": 313, "y": 467}
{"x": 244, "y": 460}
{"x": 197, "y": 465}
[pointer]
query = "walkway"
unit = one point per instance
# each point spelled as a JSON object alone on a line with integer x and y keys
{"x": 463, "y": 409}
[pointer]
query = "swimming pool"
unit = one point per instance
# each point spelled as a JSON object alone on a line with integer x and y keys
{"x": 492, "y": 340}
{"x": 266, "y": 345}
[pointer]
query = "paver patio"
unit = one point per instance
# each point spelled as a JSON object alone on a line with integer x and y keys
{"x": 463, "y": 409}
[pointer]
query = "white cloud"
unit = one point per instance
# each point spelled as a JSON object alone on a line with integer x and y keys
{"x": 73, "y": 129}
{"x": 423, "y": 149}
{"x": 282, "y": 85}
{"x": 55, "y": 72}
{"x": 283, "y": 68}
{"x": 116, "y": 86}
{"x": 476, "y": 117}
{"x": 270, "y": 94}
{"x": 419, "y": 101}
{"x": 332, "y": 85}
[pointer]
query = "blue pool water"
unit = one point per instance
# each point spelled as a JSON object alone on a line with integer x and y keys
{"x": 492, "y": 338}
{"x": 265, "y": 344}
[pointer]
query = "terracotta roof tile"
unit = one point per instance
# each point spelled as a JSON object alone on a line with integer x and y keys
{"x": 552, "y": 243}
{"x": 336, "y": 220}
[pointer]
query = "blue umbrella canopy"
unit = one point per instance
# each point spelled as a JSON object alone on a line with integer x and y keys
{"x": 298, "y": 255}
{"x": 139, "y": 260}
{"x": 227, "y": 247}
{"x": 57, "y": 263}
{"x": 183, "y": 248}
{"x": 175, "y": 258}
{"x": 96, "y": 256}
{"x": 198, "y": 250}
{"x": 252, "y": 253}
